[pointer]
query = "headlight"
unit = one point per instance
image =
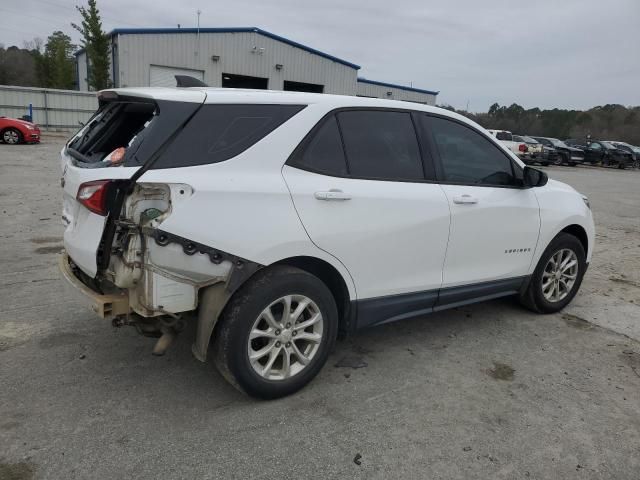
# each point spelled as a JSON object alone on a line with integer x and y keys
{"x": 30, "y": 127}
{"x": 585, "y": 199}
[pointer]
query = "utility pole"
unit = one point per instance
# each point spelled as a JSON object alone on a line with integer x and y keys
{"x": 198, "y": 34}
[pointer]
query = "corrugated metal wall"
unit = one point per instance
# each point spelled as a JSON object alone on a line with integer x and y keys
{"x": 52, "y": 109}
{"x": 379, "y": 91}
{"x": 137, "y": 52}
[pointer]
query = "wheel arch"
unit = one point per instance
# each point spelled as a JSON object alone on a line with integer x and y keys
{"x": 580, "y": 233}
{"x": 334, "y": 281}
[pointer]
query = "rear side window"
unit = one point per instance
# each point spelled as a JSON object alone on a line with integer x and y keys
{"x": 324, "y": 153}
{"x": 505, "y": 136}
{"x": 381, "y": 144}
{"x": 219, "y": 132}
{"x": 467, "y": 156}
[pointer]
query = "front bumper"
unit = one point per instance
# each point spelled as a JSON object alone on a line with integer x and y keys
{"x": 107, "y": 306}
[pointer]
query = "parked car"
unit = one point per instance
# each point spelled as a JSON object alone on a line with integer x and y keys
{"x": 632, "y": 149}
{"x": 566, "y": 153}
{"x": 14, "y": 131}
{"x": 519, "y": 148}
{"x": 598, "y": 151}
{"x": 539, "y": 153}
{"x": 282, "y": 218}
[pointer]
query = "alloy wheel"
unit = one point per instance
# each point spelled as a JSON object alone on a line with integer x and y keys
{"x": 11, "y": 137}
{"x": 559, "y": 275}
{"x": 285, "y": 337}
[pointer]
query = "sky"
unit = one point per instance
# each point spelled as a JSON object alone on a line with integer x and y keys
{"x": 537, "y": 53}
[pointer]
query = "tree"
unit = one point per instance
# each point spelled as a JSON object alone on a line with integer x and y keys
{"x": 18, "y": 67}
{"x": 96, "y": 44}
{"x": 57, "y": 64}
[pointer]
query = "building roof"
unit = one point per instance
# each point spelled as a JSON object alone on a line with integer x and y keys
{"x": 125, "y": 31}
{"x": 393, "y": 85}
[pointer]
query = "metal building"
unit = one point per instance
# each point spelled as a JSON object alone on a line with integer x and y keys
{"x": 373, "y": 88}
{"x": 236, "y": 58}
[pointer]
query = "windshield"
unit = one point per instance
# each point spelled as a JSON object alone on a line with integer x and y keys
{"x": 558, "y": 143}
{"x": 608, "y": 146}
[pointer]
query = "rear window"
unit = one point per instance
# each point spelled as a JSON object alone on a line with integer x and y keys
{"x": 504, "y": 136}
{"x": 114, "y": 125}
{"x": 219, "y": 132}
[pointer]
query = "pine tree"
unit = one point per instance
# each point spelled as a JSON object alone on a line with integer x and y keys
{"x": 56, "y": 66}
{"x": 96, "y": 44}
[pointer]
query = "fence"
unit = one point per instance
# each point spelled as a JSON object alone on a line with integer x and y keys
{"x": 52, "y": 109}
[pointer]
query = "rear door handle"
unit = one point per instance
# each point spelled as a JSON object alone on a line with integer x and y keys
{"x": 465, "y": 200}
{"x": 332, "y": 195}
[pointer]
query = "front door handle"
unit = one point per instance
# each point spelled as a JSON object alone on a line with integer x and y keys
{"x": 465, "y": 200}
{"x": 336, "y": 195}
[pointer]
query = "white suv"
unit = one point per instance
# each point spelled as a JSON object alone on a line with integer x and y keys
{"x": 281, "y": 219}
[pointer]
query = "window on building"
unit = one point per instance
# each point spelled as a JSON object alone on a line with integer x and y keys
{"x": 230, "y": 80}
{"x": 303, "y": 87}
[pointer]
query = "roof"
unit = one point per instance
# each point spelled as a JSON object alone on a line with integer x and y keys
{"x": 241, "y": 95}
{"x": 130, "y": 31}
{"x": 393, "y": 85}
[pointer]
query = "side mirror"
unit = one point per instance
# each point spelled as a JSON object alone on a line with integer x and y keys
{"x": 532, "y": 177}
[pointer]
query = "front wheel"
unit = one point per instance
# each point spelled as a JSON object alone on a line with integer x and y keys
{"x": 276, "y": 332}
{"x": 11, "y": 136}
{"x": 557, "y": 276}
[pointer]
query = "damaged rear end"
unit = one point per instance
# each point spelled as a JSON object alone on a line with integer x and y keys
{"x": 116, "y": 251}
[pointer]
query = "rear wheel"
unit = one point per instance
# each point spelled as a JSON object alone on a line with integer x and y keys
{"x": 276, "y": 332}
{"x": 557, "y": 276}
{"x": 11, "y": 136}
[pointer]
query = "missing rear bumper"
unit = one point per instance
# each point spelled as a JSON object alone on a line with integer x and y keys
{"x": 107, "y": 306}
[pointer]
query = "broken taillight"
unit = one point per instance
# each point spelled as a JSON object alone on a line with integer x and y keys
{"x": 522, "y": 147}
{"x": 93, "y": 195}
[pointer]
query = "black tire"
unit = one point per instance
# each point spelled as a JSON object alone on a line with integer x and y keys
{"x": 544, "y": 164}
{"x": 559, "y": 160}
{"x": 533, "y": 298}
{"x": 231, "y": 342}
{"x": 14, "y": 133}
{"x": 572, "y": 164}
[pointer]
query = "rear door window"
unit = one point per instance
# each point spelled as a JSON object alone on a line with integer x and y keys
{"x": 381, "y": 145}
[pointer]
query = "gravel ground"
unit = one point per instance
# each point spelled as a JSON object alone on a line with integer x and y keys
{"x": 484, "y": 391}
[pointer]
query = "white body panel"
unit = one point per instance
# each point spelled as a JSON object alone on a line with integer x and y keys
{"x": 493, "y": 238}
{"x": 561, "y": 206}
{"x": 391, "y": 236}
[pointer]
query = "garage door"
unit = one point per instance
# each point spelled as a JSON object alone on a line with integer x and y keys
{"x": 160, "y": 76}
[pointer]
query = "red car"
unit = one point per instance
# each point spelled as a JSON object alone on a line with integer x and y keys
{"x": 13, "y": 131}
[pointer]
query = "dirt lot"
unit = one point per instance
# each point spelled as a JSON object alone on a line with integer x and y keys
{"x": 486, "y": 391}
